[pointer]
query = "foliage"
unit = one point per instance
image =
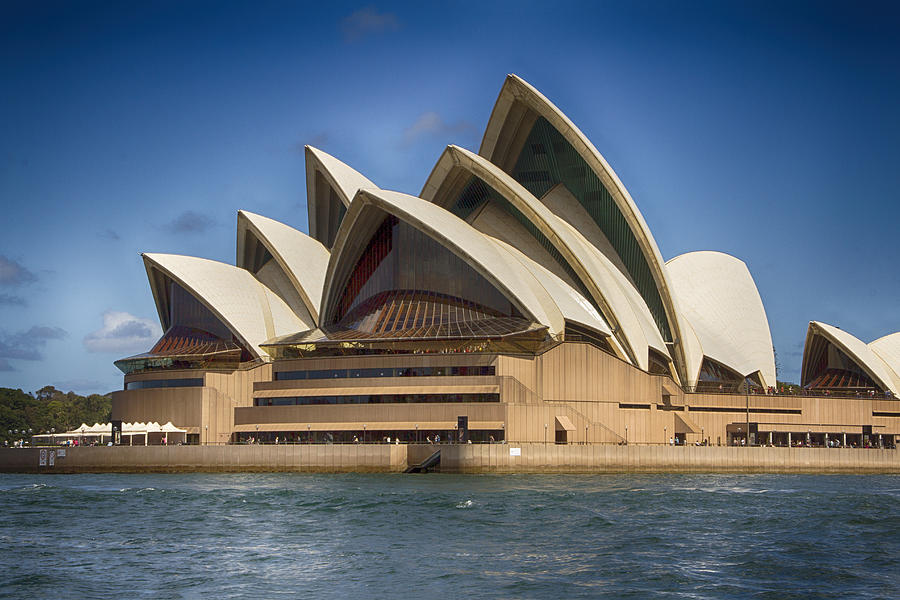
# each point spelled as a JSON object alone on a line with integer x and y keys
{"x": 48, "y": 408}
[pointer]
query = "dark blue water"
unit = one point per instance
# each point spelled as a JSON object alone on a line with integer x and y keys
{"x": 448, "y": 536}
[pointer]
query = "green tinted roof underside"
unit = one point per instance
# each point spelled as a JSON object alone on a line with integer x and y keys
{"x": 477, "y": 192}
{"x": 546, "y": 160}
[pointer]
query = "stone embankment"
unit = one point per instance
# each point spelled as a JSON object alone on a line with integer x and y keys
{"x": 474, "y": 458}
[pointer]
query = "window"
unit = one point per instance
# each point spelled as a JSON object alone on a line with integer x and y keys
{"x": 164, "y": 383}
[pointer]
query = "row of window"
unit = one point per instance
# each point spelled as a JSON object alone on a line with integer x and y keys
{"x": 164, "y": 383}
{"x": 385, "y": 372}
{"x": 376, "y": 399}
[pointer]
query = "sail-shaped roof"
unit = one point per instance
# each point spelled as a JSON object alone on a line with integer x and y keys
{"x": 530, "y": 138}
{"x": 719, "y": 298}
{"x": 571, "y": 257}
{"x": 330, "y": 185}
{"x": 250, "y": 310}
{"x": 497, "y": 266}
{"x": 302, "y": 258}
{"x": 858, "y": 351}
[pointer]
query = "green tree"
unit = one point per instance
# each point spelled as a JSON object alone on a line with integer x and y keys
{"x": 48, "y": 408}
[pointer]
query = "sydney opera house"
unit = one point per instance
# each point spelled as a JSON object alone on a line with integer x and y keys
{"x": 519, "y": 297}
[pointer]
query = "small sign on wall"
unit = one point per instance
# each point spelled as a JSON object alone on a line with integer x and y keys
{"x": 61, "y": 452}
{"x": 42, "y": 461}
{"x": 52, "y": 458}
{"x": 515, "y": 452}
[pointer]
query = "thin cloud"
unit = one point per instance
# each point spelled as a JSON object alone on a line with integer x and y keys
{"x": 368, "y": 21}
{"x": 108, "y": 234}
{"x": 10, "y": 300}
{"x": 431, "y": 124}
{"x": 190, "y": 222}
{"x": 5, "y": 366}
{"x": 122, "y": 332}
{"x": 29, "y": 345}
{"x": 14, "y": 274}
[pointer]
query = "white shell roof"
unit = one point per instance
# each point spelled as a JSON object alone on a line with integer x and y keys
{"x": 498, "y": 266}
{"x": 860, "y": 352}
{"x": 343, "y": 178}
{"x": 887, "y": 349}
{"x": 718, "y": 296}
{"x": 573, "y": 305}
{"x": 303, "y": 259}
{"x": 253, "y": 312}
{"x": 515, "y": 89}
{"x": 611, "y": 287}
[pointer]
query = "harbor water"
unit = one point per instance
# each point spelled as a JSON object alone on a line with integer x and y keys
{"x": 449, "y": 536}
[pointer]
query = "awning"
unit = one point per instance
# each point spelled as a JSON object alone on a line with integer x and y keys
{"x": 684, "y": 424}
{"x": 370, "y": 426}
{"x": 670, "y": 387}
{"x": 563, "y": 423}
{"x": 378, "y": 390}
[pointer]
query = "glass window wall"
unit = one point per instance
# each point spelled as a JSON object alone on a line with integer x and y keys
{"x": 488, "y": 370}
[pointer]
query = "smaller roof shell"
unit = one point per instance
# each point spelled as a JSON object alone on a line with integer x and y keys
{"x": 303, "y": 258}
{"x": 252, "y": 312}
{"x": 718, "y": 296}
{"x": 342, "y": 178}
{"x": 857, "y": 350}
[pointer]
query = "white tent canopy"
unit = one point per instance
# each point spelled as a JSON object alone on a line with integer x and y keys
{"x": 152, "y": 432}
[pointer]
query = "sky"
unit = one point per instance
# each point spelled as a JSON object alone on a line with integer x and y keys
{"x": 766, "y": 130}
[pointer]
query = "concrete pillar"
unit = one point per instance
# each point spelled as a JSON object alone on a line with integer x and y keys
{"x": 789, "y": 439}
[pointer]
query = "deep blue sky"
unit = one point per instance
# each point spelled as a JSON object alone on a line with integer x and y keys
{"x": 769, "y": 131}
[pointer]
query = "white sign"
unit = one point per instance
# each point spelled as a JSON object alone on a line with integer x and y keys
{"x": 43, "y": 461}
{"x": 61, "y": 452}
{"x": 515, "y": 452}
{"x": 52, "y": 458}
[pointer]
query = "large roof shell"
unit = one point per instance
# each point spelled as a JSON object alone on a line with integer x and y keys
{"x": 495, "y": 264}
{"x": 303, "y": 259}
{"x": 252, "y": 312}
{"x": 517, "y": 107}
{"x": 888, "y": 350}
{"x": 718, "y": 296}
{"x": 622, "y": 306}
{"x": 337, "y": 176}
{"x": 857, "y": 350}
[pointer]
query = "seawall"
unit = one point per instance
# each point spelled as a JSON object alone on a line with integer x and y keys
{"x": 474, "y": 458}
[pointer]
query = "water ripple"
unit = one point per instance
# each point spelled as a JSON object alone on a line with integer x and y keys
{"x": 334, "y": 536}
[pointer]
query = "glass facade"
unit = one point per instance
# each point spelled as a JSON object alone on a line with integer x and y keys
{"x": 164, "y": 383}
{"x": 386, "y": 372}
{"x": 186, "y": 311}
{"x": 717, "y": 377}
{"x": 195, "y": 339}
{"x": 829, "y": 368}
{"x": 405, "y": 284}
{"x": 376, "y": 399}
{"x": 548, "y": 159}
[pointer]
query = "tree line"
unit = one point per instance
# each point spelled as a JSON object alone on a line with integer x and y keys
{"x": 23, "y": 415}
